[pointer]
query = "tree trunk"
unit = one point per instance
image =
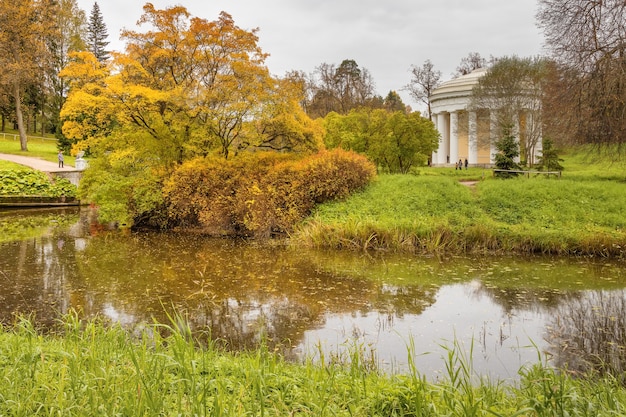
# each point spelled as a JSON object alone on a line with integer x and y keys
{"x": 20, "y": 117}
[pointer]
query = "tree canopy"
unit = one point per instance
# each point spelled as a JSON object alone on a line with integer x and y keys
{"x": 587, "y": 40}
{"x": 395, "y": 141}
{"x": 97, "y": 34}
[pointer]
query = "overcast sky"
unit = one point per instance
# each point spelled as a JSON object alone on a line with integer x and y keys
{"x": 385, "y": 37}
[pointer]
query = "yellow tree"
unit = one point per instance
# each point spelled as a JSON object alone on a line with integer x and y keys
{"x": 25, "y": 27}
{"x": 192, "y": 81}
{"x": 284, "y": 125}
{"x": 89, "y": 113}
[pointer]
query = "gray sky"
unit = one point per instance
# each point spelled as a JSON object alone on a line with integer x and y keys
{"x": 385, "y": 37}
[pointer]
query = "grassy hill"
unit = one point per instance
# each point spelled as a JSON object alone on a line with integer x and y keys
{"x": 583, "y": 212}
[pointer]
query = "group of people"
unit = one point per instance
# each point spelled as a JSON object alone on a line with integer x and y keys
{"x": 459, "y": 165}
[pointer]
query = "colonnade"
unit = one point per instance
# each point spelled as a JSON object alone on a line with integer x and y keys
{"x": 467, "y": 135}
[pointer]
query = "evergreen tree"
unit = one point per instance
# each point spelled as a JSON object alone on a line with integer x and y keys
{"x": 97, "y": 35}
{"x": 508, "y": 151}
{"x": 549, "y": 159}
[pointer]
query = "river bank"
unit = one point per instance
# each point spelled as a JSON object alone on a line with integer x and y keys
{"x": 437, "y": 214}
{"x": 94, "y": 369}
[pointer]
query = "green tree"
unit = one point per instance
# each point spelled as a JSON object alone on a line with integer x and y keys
{"x": 393, "y": 102}
{"x": 550, "y": 160}
{"x": 512, "y": 89}
{"x": 395, "y": 141}
{"x": 97, "y": 34}
{"x": 507, "y": 151}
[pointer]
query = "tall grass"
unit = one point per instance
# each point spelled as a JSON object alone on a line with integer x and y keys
{"x": 89, "y": 368}
{"x": 433, "y": 214}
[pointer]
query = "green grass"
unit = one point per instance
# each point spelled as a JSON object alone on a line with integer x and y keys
{"x": 583, "y": 212}
{"x": 37, "y": 148}
{"x": 89, "y": 368}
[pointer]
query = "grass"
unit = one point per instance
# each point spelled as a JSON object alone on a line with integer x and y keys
{"x": 45, "y": 148}
{"x": 89, "y": 368}
{"x": 582, "y": 213}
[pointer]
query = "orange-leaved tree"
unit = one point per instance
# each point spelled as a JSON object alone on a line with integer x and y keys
{"x": 25, "y": 30}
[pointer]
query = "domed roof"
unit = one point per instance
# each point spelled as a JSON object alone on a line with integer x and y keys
{"x": 461, "y": 86}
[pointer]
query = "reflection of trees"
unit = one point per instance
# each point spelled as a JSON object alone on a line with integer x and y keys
{"x": 589, "y": 333}
{"x": 235, "y": 290}
{"x": 521, "y": 298}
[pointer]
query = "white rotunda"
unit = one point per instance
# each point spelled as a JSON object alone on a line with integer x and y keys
{"x": 468, "y": 134}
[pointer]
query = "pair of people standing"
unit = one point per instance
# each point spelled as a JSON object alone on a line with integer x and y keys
{"x": 459, "y": 165}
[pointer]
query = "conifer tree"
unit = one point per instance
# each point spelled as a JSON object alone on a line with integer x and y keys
{"x": 97, "y": 35}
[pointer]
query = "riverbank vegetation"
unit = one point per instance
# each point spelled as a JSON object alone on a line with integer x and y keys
{"x": 89, "y": 368}
{"x": 581, "y": 213}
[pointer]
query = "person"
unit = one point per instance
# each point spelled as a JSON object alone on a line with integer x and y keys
{"x": 60, "y": 159}
{"x": 466, "y": 163}
{"x": 460, "y": 164}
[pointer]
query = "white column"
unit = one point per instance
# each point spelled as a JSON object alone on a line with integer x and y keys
{"x": 472, "y": 138}
{"x": 443, "y": 152}
{"x": 454, "y": 137}
{"x": 437, "y": 152}
{"x": 493, "y": 135}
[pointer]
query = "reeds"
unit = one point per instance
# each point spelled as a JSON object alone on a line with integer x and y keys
{"x": 90, "y": 368}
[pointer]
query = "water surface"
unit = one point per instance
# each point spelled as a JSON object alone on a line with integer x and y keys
{"x": 504, "y": 312}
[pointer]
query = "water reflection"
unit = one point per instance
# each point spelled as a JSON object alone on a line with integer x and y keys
{"x": 311, "y": 302}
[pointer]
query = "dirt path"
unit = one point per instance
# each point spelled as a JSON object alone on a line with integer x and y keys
{"x": 36, "y": 163}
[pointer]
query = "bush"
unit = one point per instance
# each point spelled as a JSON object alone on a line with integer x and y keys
{"x": 261, "y": 194}
{"x": 34, "y": 183}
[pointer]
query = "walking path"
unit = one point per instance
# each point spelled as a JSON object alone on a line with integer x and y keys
{"x": 36, "y": 163}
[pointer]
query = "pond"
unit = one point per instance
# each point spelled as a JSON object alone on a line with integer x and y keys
{"x": 498, "y": 313}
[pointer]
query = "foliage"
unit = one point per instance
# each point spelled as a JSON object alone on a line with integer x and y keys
{"x": 550, "y": 160}
{"x": 587, "y": 41}
{"x": 193, "y": 85}
{"x": 262, "y": 193}
{"x": 431, "y": 214}
{"x": 508, "y": 152}
{"x": 34, "y": 183}
{"x": 89, "y": 368}
{"x": 512, "y": 89}
{"x": 97, "y": 34}
{"x": 125, "y": 185}
{"x": 396, "y": 141}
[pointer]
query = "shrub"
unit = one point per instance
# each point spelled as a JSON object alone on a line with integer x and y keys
{"x": 263, "y": 193}
{"x": 34, "y": 183}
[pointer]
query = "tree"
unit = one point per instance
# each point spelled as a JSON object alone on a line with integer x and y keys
{"x": 97, "y": 34}
{"x": 508, "y": 151}
{"x": 340, "y": 89}
{"x": 512, "y": 89}
{"x": 393, "y": 102}
{"x": 587, "y": 40}
{"x": 424, "y": 81}
{"x": 395, "y": 141}
{"x": 471, "y": 62}
{"x": 24, "y": 56}
{"x": 550, "y": 160}
{"x": 71, "y": 22}
{"x": 184, "y": 88}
